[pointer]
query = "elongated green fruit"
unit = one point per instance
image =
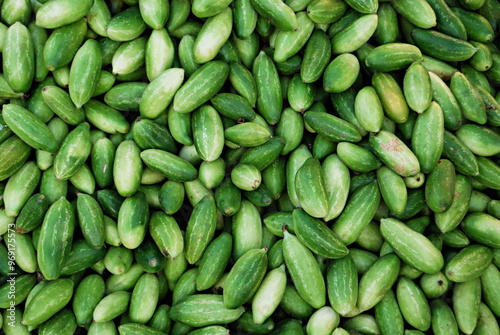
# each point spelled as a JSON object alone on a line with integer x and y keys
{"x": 289, "y": 42}
{"x": 243, "y": 82}
{"x": 126, "y": 280}
{"x": 304, "y": 271}
{"x": 61, "y": 323}
{"x": 492, "y": 105}
{"x": 63, "y": 43}
{"x": 56, "y": 236}
{"x": 245, "y": 277}
{"x": 214, "y": 33}
{"x": 326, "y": 11}
{"x": 29, "y": 128}
{"x": 32, "y": 214}
{"x": 102, "y": 158}
{"x": 152, "y": 135}
{"x": 377, "y": 280}
{"x": 118, "y": 260}
{"x": 208, "y": 133}
{"x": 167, "y": 234}
{"x": 169, "y": 164}
{"x": 442, "y": 94}
{"x": 368, "y": 109}
{"x": 468, "y": 263}
{"x": 201, "y": 86}
{"x": 265, "y": 155}
{"x": 393, "y": 56}
{"x": 311, "y": 190}
{"x": 233, "y": 106}
{"x": 447, "y": 21}
{"x": 487, "y": 322}
{"x": 332, "y": 127}
{"x": 420, "y": 253}
{"x": 84, "y": 72}
{"x": 393, "y": 189}
{"x": 269, "y": 94}
{"x": 359, "y": 211}
{"x": 24, "y": 285}
{"x": 81, "y": 257}
{"x": 355, "y": 34}
{"x": 159, "y": 53}
{"x": 364, "y": 7}
{"x": 463, "y": 159}
{"x": 442, "y": 46}
{"x": 20, "y": 187}
{"x": 482, "y": 228}
{"x": 83, "y": 180}
{"x": 417, "y": 87}
{"x": 387, "y": 28}
{"x": 111, "y": 306}
{"x": 214, "y": 261}
{"x": 186, "y": 56}
{"x": 466, "y": 300}
{"x": 98, "y": 17}
{"x": 105, "y": 118}
{"x": 160, "y": 92}
{"x": 171, "y": 196}
{"x": 468, "y": 98}
{"x": 413, "y": 304}
{"x": 488, "y": 172}
{"x": 323, "y": 321}
{"x": 482, "y": 141}
{"x": 212, "y": 311}
{"x": 477, "y": 27}
{"x": 388, "y": 315}
{"x": 419, "y": 13}
{"x": 126, "y": 25}
{"x": 342, "y": 285}
{"x": 155, "y": 12}
{"x": 489, "y": 280}
{"x": 13, "y": 11}
{"x": 300, "y": 95}
{"x": 60, "y": 103}
{"x": 246, "y": 229}
{"x": 248, "y": 134}
{"x": 73, "y": 153}
{"x": 440, "y": 186}
{"x": 48, "y": 301}
{"x": 144, "y": 298}
{"x": 132, "y": 222}
{"x": 391, "y": 97}
{"x": 428, "y": 137}
{"x": 87, "y": 295}
{"x": 18, "y": 57}
{"x": 281, "y": 15}
{"x": 91, "y": 220}
{"x": 316, "y": 57}
{"x": 208, "y": 8}
{"x": 200, "y": 229}
{"x": 337, "y": 181}
{"x": 394, "y": 153}
{"x": 245, "y": 18}
{"x": 269, "y": 295}
{"x": 451, "y": 218}
{"x": 62, "y": 12}
{"x": 127, "y": 168}
{"x": 317, "y": 236}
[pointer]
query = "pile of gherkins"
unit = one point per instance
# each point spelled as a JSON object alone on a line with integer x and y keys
{"x": 320, "y": 167}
